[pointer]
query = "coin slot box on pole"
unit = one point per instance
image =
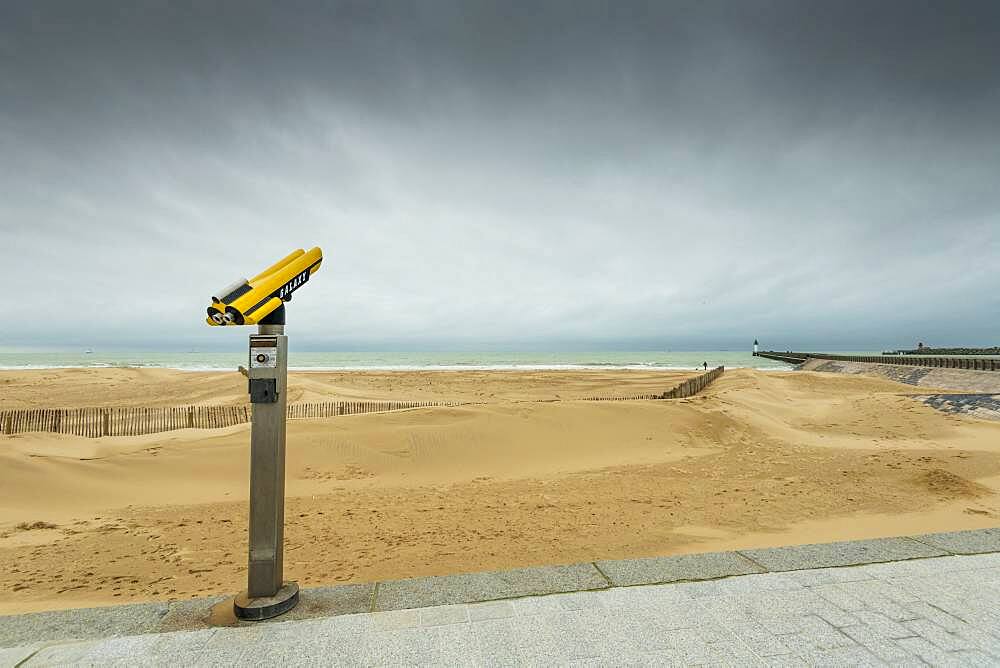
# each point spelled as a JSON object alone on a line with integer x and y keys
{"x": 263, "y": 391}
{"x": 263, "y": 369}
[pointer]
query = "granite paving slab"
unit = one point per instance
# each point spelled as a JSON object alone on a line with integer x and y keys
{"x": 325, "y": 601}
{"x": 188, "y": 615}
{"x": 890, "y": 614}
{"x": 14, "y": 656}
{"x": 846, "y": 553}
{"x": 83, "y": 623}
{"x": 707, "y": 566}
{"x": 976, "y": 541}
{"x": 474, "y": 587}
{"x": 538, "y": 591}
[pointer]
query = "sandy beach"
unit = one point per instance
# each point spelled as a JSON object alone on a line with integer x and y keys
{"x": 524, "y": 474}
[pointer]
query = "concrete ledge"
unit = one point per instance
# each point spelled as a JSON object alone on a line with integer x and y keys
{"x": 16, "y": 655}
{"x": 659, "y": 570}
{"x": 978, "y": 541}
{"x": 848, "y": 553}
{"x": 189, "y": 615}
{"x": 476, "y": 587}
{"x": 135, "y": 619}
{"x": 85, "y": 623}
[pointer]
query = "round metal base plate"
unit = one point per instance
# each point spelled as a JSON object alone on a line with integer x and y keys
{"x": 266, "y": 607}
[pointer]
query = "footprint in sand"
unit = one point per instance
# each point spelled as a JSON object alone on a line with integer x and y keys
{"x": 978, "y": 511}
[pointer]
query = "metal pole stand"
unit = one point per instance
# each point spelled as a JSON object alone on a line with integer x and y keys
{"x": 267, "y": 595}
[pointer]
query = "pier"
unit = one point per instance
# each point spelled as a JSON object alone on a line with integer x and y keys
{"x": 970, "y": 363}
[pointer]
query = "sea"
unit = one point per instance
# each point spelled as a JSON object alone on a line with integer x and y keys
{"x": 401, "y": 361}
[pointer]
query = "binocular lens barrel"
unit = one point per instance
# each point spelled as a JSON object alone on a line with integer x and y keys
{"x": 252, "y": 301}
{"x": 228, "y": 293}
{"x": 233, "y": 317}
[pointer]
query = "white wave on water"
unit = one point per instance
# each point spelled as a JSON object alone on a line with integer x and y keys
{"x": 389, "y": 368}
{"x": 399, "y": 361}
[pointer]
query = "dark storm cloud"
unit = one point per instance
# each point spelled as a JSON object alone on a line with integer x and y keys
{"x": 672, "y": 173}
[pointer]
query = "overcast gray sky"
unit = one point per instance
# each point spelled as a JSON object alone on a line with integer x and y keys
{"x": 661, "y": 174}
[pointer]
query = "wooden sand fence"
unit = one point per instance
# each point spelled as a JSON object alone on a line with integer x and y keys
{"x": 134, "y": 421}
{"x": 688, "y": 388}
{"x": 631, "y": 397}
{"x": 693, "y": 386}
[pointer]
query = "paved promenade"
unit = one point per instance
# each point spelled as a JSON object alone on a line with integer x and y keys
{"x": 912, "y": 608}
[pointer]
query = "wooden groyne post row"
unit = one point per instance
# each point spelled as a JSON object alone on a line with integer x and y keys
{"x": 969, "y": 363}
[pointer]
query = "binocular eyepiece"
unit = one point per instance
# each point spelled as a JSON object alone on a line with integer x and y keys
{"x": 248, "y": 301}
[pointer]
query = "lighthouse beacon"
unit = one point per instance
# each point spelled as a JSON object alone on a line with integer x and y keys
{"x": 755, "y": 347}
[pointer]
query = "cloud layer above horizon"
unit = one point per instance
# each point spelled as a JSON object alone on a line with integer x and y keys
{"x": 494, "y": 174}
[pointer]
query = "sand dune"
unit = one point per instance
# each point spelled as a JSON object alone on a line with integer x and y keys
{"x": 759, "y": 459}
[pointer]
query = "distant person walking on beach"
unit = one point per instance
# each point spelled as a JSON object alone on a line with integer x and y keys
{"x": 705, "y": 364}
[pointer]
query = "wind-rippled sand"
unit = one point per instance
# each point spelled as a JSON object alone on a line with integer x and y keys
{"x": 526, "y": 475}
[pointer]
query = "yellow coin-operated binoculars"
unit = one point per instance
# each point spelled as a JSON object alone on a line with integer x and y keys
{"x": 261, "y": 301}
